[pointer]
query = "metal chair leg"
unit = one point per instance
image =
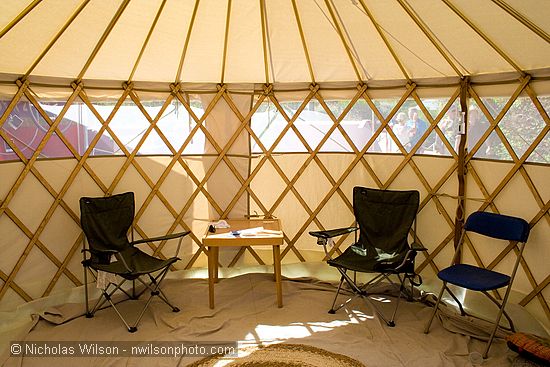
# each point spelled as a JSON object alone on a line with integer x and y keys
{"x": 88, "y": 314}
{"x": 427, "y": 328}
{"x": 332, "y": 310}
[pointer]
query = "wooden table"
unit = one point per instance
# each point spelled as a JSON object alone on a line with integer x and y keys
{"x": 223, "y": 238}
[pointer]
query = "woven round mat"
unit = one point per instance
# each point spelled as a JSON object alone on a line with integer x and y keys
{"x": 283, "y": 355}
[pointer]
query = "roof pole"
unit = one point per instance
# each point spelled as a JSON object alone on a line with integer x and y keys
{"x": 462, "y": 153}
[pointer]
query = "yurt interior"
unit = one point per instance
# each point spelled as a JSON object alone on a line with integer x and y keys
{"x": 274, "y": 182}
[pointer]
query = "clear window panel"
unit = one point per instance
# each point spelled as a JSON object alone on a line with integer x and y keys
{"x": 494, "y": 104}
{"x": 541, "y": 154}
{"x": 129, "y": 125}
{"x": 493, "y": 148}
{"x": 448, "y": 124}
{"x": 26, "y": 128}
{"x": 450, "y": 127}
{"x": 177, "y": 126}
{"x": 522, "y": 124}
{"x": 68, "y": 128}
{"x": 4, "y": 102}
{"x": 6, "y": 152}
{"x": 360, "y": 123}
{"x": 477, "y": 126}
{"x": 268, "y": 123}
{"x": 85, "y": 126}
{"x": 314, "y": 123}
{"x": 545, "y": 102}
{"x": 385, "y": 105}
{"x": 408, "y": 125}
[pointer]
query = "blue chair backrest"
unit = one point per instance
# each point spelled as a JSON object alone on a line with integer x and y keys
{"x": 499, "y": 226}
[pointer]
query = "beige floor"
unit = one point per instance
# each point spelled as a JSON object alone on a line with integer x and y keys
{"x": 246, "y": 312}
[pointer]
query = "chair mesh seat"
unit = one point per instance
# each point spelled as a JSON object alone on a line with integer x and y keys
{"x": 140, "y": 263}
{"x": 370, "y": 263}
{"x": 472, "y": 277}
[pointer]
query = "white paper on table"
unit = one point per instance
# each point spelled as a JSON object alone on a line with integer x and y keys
{"x": 259, "y": 232}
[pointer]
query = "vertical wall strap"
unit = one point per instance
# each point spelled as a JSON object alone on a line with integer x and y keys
{"x": 461, "y": 170}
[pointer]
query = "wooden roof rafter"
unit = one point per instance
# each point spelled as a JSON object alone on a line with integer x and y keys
{"x": 102, "y": 39}
{"x": 19, "y": 17}
{"x": 332, "y": 8}
{"x": 523, "y": 19}
{"x": 303, "y": 38}
{"x": 55, "y": 38}
{"x": 186, "y": 43}
{"x": 385, "y": 40}
{"x": 146, "y": 41}
{"x": 430, "y": 35}
{"x": 488, "y": 40}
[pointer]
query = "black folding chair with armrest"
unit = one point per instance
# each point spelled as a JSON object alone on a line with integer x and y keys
{"x": 106, "y": 222}
{"x": 480, "y": 279}
{"x": 384, "y": 219}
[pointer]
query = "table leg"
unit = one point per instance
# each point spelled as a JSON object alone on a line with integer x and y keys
{"x": 212, "y": 267}
{"x": 216, "y": 250}
{"x": 277, "y": 271}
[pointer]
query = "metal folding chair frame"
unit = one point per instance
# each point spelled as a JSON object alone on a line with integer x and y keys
{"x": 362, "y": 291}
{"x": 106, "y": 294}
{"x": 153, "y": 285}
{"x": 500, "y": 304}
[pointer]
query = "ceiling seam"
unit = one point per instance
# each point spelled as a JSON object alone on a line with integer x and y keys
{"x": 268, "y": 41}
{"x": 408, "y": 49}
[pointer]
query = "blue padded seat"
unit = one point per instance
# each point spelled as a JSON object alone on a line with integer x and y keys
{"x": 472, "y": 277}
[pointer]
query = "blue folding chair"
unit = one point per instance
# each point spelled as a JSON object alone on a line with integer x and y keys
{"x": 479, "y": 279}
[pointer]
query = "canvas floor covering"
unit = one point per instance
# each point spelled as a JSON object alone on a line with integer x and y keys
{"x": 246, "y": 312}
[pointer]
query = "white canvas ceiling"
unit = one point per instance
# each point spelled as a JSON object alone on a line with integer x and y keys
{"x": 275, "y": 41}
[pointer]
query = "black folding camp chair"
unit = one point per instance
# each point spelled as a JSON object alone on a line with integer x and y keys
{"x": 384, "y": 219}
{"x": 106, "y": 222}
{"x": 480, "y": 279}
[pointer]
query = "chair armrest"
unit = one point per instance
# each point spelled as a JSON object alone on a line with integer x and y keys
{"x": 111, "y": 251}
{"x": 418, "y": 247}
{"x": 164, "y": 238}
{"x": 333, "y": 232}
{"x": 161, "y": 238}
{"x": 411, "y": 253}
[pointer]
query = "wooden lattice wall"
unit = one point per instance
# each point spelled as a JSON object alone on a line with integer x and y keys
{"x": 33, "y": 201}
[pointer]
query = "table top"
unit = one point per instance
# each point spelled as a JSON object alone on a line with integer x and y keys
{"x": 223, "y": 236}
